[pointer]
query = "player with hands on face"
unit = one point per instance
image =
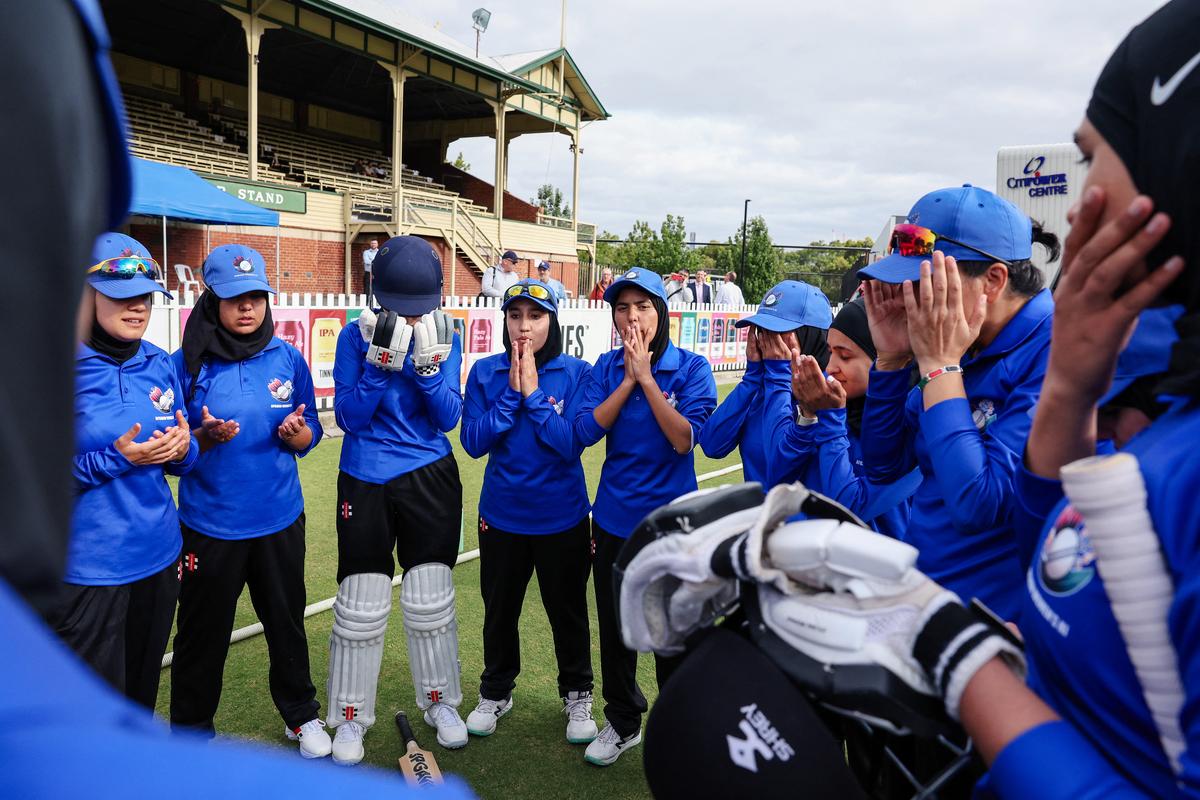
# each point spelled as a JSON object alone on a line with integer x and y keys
{"x": 836, "y": 402}
{"x": 533, "y": 508}
{"x": 396, "y": 376}
{"x": 131, "y": 431}
{"x": 793, "y": 316}
{"x": 248, "y": 531}
{"x": 648, "y": 400}
{"x": 958, "y": 298}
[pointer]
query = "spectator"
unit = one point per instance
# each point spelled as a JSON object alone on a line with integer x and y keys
{"x": 606, "y": 279}
{"x": 730, "y": 293}
{"x": 359, "y": 167}
{"x": 368, "y": 257}
{"x": 678, "y": 290}
{"x": 498, "y": 278}
{"x": 702, "y": 289}
{"x": 556, "y": 286}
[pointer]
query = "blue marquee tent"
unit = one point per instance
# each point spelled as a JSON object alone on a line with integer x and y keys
{"x": 162, "y": 190}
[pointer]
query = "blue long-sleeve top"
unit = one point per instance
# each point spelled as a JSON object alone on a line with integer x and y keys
{"x": 248, "y": 486}
{"x": 641, "y": 469}
{"x": 738, "y": 423}
{"x": 533, "y": 482}
{"x": 125, "y": 526}
{"x": 837, "y": 471}
{"x": 1107, "y": 744}
{"x": 395, "y": 422}
{"x": 968, "y": 450}
{"x": 789, "y": 445}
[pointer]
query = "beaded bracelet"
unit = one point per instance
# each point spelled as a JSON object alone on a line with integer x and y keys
{"x": 927, "y": 377}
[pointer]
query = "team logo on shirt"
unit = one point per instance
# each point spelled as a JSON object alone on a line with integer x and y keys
{"x": 671, "y": 399}
{"x": 242, "y": 264}
{"x": 1068, "y": 561}
{"x": 557, "y": 405}
{"x": 162, "y": 400}
{"x": 984, "y": 414}
{"x": 280, "y": 390}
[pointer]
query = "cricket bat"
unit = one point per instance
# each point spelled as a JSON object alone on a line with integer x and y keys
{"x": 419, "y": 766}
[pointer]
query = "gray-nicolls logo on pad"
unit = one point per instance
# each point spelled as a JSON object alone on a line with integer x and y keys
{"x": 759, "y": 738}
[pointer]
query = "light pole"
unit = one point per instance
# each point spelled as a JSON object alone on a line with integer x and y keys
{"x": 745, "y": 214}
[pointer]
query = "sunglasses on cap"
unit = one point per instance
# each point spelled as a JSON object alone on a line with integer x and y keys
{"x": 913, "y": 240}
{"x": 532, "y": 289}
{"x": 125, "y": 267}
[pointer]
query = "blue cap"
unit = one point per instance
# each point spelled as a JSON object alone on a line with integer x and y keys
{"x": 967, "y": 214}
{"x": 234, "y": 269}
{"x": 788, "y": 306}
{"x": 543, "y": 265}
{"x": 644, "y": 279}
{"x": 509, "y": 255}
{"x": 116, "y": 245}
{"x": 1148, "y": 351}
{"x": 406, "y": 276}
{"x": 550, "y": 304}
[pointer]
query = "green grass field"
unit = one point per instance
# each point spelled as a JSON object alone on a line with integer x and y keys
{"x": 528, "y": 756}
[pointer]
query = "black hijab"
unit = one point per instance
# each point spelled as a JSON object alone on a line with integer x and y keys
{"x": 106, "y": 344}
{"x": 206, "y": 338}
{"x": 551, "y": 350}
{"x": 1153, "y": 124}
{"x": 814, "y": 342}
{"x": 851, "y": 321}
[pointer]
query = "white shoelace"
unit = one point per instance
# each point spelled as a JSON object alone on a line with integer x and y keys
{"x": 579, "y": 710}
{"x": 488, "y": 706}
{"x": 311, "y": 727}
{"x": 349, "y": 730}
{"x": 444, "y": 715}
{"x": 609, "y": 736}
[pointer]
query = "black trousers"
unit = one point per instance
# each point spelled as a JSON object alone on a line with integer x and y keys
{"x": 418, "y": 513}
{"x": 562, "y": 562}
{"x": 624, "y": 703}
{"x": 122, "y": 631}
{"x": 214, "y": 574}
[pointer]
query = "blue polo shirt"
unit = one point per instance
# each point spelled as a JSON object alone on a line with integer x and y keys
{"x": 533, "y": 482}
{"x": 738, "y": 422}
{"x": 1078, "y": 659}
{"x": 641, "y": 470}
{"x": 248, "y": 486}
{"x": 125, "y": 526}
{"x": 968, "y": 450}
{"x": 395, "y": 422}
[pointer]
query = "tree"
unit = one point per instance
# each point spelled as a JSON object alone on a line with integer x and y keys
{"x": 762, "y": 259}
{"x": 462, "y": 163}
{"x": 550, "y": 199}
{"x": 663, "y": 251}
{"x": 825, "y": 269}
{"x": 608, "y": 252}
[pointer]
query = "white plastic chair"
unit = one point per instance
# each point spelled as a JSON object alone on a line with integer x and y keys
{"x": 187, "y": 281}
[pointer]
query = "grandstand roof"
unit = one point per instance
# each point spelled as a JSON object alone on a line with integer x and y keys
{"x": 523, "y": 64}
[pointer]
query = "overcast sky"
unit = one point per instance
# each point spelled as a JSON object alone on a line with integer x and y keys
{"x": 829, "y": 116}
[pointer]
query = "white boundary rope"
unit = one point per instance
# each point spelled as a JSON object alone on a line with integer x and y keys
{"x": 321, "y": 606}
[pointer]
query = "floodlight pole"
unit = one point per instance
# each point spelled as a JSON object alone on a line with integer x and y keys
{"x": 745, "y": 214}
{"x": 477, "y": 42}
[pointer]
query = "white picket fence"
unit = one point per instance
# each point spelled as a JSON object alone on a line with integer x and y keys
{"x": 312, "y": 322}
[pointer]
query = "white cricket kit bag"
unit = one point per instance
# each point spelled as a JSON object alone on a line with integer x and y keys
{"x": 360, "y": 615}
{"x": 427, "y": 600}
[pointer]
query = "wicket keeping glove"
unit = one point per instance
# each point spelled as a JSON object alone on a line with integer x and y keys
{"x": 434, "y": 335}
{"x": 389, "y": 337}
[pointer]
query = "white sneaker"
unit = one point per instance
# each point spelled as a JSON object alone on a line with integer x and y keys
{"x": 314, "y": 741}
{"x": 482, "y": 721}
{"x": 348, "y": 743}
{"x": 581, "y": 728}
{"x": 608, "y": 746}
{"x": 451, "y": 730}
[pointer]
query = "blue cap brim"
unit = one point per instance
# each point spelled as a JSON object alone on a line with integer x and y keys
{"x": 613, "y": 291}
{"x": 768, "y": 322}
{"x": 238, "y": 287}
{"x": 893, "y": 269}
{"x": 409, "y": 305}
{"x": 548, "y": 305}
{"x": 125, "y": 288}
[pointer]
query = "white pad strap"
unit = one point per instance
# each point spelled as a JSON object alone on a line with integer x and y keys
{"x": 1110, "y": 494}
{"x": 427, "y": 600}
{"x": 360, "y": 614}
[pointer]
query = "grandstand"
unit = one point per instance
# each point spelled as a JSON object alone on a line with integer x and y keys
{"x": 342, "y": 91}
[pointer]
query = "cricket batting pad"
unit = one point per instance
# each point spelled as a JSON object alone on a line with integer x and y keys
{"x": 427, "y": 599}
{"x": 360, "y": 615}
{"x": 1110, "y": 495}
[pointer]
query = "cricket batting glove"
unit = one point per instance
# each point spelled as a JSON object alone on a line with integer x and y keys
{"x": 858, "y": 600}
{"x": 388, "y": 336}
{"x": 434, "y": 336}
